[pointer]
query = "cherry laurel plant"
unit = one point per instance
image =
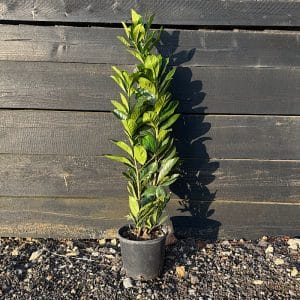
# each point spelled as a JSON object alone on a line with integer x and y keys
{"x": 147, "y": 112}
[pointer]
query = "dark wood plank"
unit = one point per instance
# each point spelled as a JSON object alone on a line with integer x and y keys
{"x": 90, "y": 218}
{"x": 77, "y": 86}
{"x": 94, "y": 176}
{"x": 234, "y": 136}
{"x": 248, "y": 220}
{"x": 183, "y": 12}
{"x": 88, "y": 133}
{"x": 187, "y": 47}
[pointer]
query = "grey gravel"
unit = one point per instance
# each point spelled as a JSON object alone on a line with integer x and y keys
{"x": 92, "y": 269}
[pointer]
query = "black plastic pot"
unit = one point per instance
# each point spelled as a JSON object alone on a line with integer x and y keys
{"x": 142, "y": 259}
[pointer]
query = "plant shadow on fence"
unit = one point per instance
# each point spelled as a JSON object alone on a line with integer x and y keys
{"x": 196, "y": 168}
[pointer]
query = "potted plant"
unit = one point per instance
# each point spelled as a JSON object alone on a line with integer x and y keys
{"x": 146, "y": 111}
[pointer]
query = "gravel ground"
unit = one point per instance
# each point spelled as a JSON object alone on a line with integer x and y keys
{"x": 268, "y": 268}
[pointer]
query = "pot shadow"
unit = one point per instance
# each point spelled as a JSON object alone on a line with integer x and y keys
{"x": 190, "y": 134}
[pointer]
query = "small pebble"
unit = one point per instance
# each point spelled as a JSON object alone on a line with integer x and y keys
{"x": 102, "y": 242}
{"x": 263, "y": 243}
{"x": 15, "y": 252}
{"x": 113, "y": 242}
{"x": 180, "y": 271}
{"x": 73, "y": 252}
{"x": 294, "y": 272}
{"x": 294, "y": 244}
{"x": 269, "y": 250}
{"x": 258, "y": 282}
{"x": 194, "y": 279}
{"x": 127, "y": 283}
{"x": 278, "y": 261}
{"x": 35, "y": 255}
{"x": 192, "y": 292}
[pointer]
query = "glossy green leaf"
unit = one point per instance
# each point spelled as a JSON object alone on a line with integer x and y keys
{"x": 166, "y": 168}
{"x": 134, "y": 206}
{"x": 169, "y": 110}
{"x": 123, "y": 40}
{"x": 169, "y": 122}
{"x": 120, "y": 159}
{"x": 122, "y": 145}
{"x": 136, "y": 54}
{"x": 149, "y": 142}
{"x": 119, "y": 106}
{"x": 169, "y": 180}
{"x": 140, "y": 154}
{"x": 135, "y": 17}
{"x": 126, "y": 29}
{"x": 138, "y": 33}
{"x": 119, "y": 114}
{"x": 148, "y": 170}
{"x": 124, "y": 101}
{"x": 130, "y": 126}
{"x": 160, "y": 192}
{"x": 147, "y": 85}
{"x": 150, "y": 191}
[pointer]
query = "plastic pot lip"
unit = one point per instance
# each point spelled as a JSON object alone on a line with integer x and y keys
{"x": 146, "y": 242}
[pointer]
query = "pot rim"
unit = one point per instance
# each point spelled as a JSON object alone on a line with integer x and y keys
{"x": 157, "y": 240}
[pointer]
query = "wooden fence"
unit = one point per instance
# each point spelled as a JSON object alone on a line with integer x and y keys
{"x": 238, "y": 82}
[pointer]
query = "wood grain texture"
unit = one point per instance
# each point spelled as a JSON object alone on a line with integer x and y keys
{"x": 183, "y": 12}
{"x": 97, "y": 177}
{"x": 89, "y": 218}
{"x": 88, "y": 133}
{"x": 76, "y": 86}
{"x": 186, "y": 47}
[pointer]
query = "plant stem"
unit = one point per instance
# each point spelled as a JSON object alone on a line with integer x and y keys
{"x": 138, "y": 180}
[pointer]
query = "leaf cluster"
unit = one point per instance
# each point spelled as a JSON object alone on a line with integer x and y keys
{"x": 146, "y": 111}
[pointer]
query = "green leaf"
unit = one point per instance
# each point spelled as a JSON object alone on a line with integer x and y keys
{"x": 149, "y": 142}
{"x": 148, "y": 170}
{"x": 135, "y": 17}
{"x": 161, "y": 102}
{"x": 140, "y": 154}
{"x": 120, "y": 159}
{"x": 136, "y": 54}
{"x": 126, "y": 29}
{"x": 170, "y": 121}
{"x": 150, "y": 191}
{"x": 147, "y": 85}
{"x": 166, "y": 82}
{"x": 130, "y": 126}
{"x": 140, "y": 106}
{"x": 138, "y": 33}
{"x": 166, "y": 168}
{"x": 162, "y": 134}
{"x": 144, "y": 93}
{"x": 124, "y": 101}
{"x": 119, "y": 106}
{"x": 152, "y": 62}
{"x": 160, "y": 192}
{"x": 120, "y": 115}
{"x": 117, "y": 71}
{"x": 149, "y": 117}
{"x": 169, "y": 180}
{"x": 131, "y": 189}
{"x": 123, "y": 40}
{"x": 134, "y": 206}
{"x": 169, "y": 110}
{"x": 122, "y": 145}
{"x": 149, "y": 22}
